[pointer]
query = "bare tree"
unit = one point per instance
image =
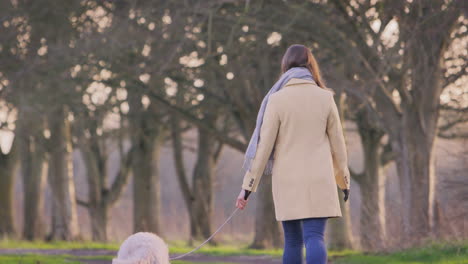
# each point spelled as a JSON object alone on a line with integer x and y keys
{"x": 409, "y": 119}
{"x": 101, "y": 195}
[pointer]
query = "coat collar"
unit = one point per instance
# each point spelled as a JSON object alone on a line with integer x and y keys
{"x": 294, "y": 81}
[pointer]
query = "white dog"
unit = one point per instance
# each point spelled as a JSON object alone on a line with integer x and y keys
{"x": 143, "y": 248}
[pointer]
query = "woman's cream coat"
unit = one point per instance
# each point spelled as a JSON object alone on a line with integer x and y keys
{"x": 301, "y": 120}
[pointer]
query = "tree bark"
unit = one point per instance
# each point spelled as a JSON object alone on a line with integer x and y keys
{"x": 372, "y": 185}
{"x": 341, "y": 236}
{"x": 202, "y": 182}
{"x": 64, "y": 215}
{"x": 99, "y": 221}
{"x": 267, "y": 229}
{"x": 417, "y": 180}
{"x": 7, "y": 179}
{"x": 340, "y": 233}
{"x": 146, "y": 189}
{"x": 34, "y": 170}
{"x": 34, "y": 174}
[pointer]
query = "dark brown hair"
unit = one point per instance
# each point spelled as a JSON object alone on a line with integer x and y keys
{"x": 300, "y": 56}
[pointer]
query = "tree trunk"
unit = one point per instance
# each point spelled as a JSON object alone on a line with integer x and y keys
{"x": 97, "y": 208}
{"x": 340, "y": 234}
{"x": 96, "y": 178}
{"x": 267, "y": 229}
{"x": 34, "y": 173}
{"x": 99, "y": 216}
{"x": 34, "y": 182}
{"x": 101, "y": 195}
{"x": 7, "y": 180}
{"x": 428, "y": 39}
{"x": 64, "y": 215}
{"x": 372, "y": 187}
{"x": 202, "y": 205}
{"x": 417, "y": 180}
{"x": 146, "y": 189}
{"x": 146, "y": 137}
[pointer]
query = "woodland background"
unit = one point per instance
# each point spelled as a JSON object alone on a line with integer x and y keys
{"x": 124, "y": 116}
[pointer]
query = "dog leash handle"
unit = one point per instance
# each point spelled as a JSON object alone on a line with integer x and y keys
{"x": 246, "y": 195}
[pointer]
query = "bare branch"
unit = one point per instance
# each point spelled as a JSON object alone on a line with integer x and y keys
{"x": 454, "y": 109}
{"x": 387, "y": 154}
{"x": 452, "y": 123}
{"x": 179, "y": 162}
{"x": 236, "y": 144}
{"x": 81, "y": 202}
{"x": 121, "y": 179}
{"x": 454, "y": 77}
{"x": 452, "y": 135}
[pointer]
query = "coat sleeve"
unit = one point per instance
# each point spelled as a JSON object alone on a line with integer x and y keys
{"x": 338, "y": 147}
{"x": 268, "y": 133}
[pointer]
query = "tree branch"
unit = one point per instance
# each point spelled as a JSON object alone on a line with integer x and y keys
{"x": 454, "y": 77}
{"x": 81, "y": 202}
{"x": 179, "y": 162}
{"x": 387, "y": 154}
{"x": 234, "y": 143}
{"x": 452, "y": 135}
{"x": 452, "y": 123}
{"x": 121, "y": 179}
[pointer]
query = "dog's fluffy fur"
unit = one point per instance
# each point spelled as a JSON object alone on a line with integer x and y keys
{"x": 142, "y": 248}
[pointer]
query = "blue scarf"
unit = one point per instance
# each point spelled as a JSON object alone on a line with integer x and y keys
{"x": 294, "y": 72}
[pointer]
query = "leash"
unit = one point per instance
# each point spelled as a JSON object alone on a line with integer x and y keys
{"x": 206, "y": 241}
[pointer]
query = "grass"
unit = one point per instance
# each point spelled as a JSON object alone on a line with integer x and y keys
{"x": 24, "y": 244}
{"x": 66, "y": 259}
{"x": 175, "y": 247}
{"x": 226, "y": 250}
{"x": 34, "y": 259}
{"x": 436, "y": 253}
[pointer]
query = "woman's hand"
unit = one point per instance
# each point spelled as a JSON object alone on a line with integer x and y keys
{"x": 241, "y": 202}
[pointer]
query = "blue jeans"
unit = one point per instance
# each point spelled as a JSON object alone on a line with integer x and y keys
{"x": 309, "y": 231}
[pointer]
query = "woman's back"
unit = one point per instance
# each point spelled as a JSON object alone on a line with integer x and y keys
{"x": 302, "y": 124}
{"x": 303, "y": 109}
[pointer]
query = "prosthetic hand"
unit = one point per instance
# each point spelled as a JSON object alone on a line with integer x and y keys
{"x": 346, "y": 194}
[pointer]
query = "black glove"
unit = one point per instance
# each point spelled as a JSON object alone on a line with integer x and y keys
{"x": 246, "y": 195}
{"x": 346, "y": 194}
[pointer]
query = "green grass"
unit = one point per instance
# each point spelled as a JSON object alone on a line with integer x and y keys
{"x": 175, "y": 247}
{"x": 240, "y": 249}
{"x": 34, "y": 259}
{"x": 186, "y": 262}
{"x": 24, "y": 244}
{"x": 226, "y": 251}
{"x": 66, "y": 259}
{"x": 435, "y": 254}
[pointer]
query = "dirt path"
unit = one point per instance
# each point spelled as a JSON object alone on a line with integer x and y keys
{"x": 96, "y": 252}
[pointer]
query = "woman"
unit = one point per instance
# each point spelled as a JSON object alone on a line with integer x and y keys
{"x": 299, "y": 140}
